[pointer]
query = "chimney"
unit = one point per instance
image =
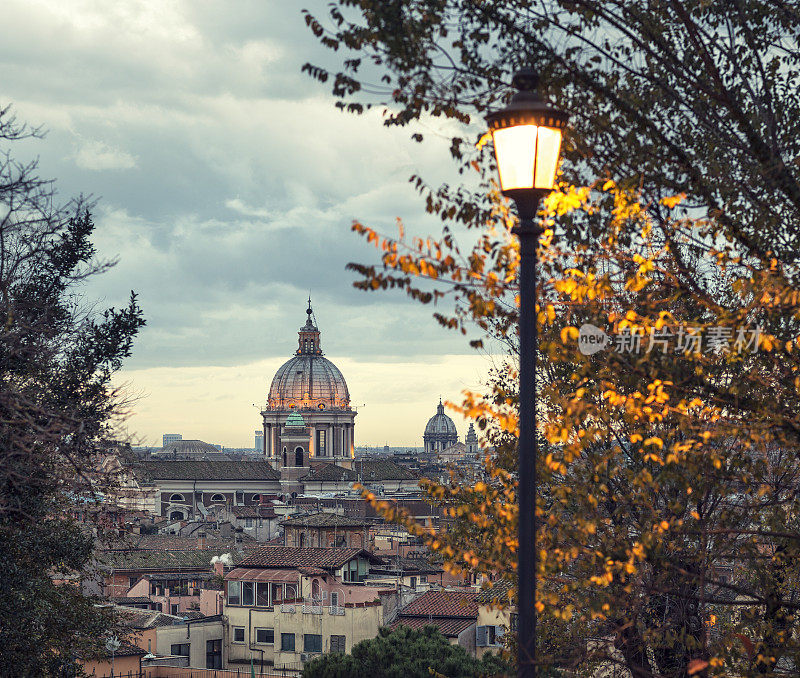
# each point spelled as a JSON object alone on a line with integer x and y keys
{"x": 219, "y": 568}
{"x": 201, "y": 540}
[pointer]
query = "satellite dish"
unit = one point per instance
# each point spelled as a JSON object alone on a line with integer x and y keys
{"x": 113, "y": 644}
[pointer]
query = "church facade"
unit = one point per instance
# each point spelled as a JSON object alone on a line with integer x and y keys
{"x": 307, "y": 415}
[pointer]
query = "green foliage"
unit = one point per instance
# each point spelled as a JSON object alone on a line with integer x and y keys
{"x": 404, "y": 653}
{"x": 56, "y": 410}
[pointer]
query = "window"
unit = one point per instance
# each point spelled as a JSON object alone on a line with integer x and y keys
{"x": 176, "y": 497}
{"x": 488, "y": 636}
{"x": 180, "y": 650}
{"x": 217, "y": 497}
{"x": 238, "y": 634}
{"x": 354, "y": 571}
{"x": 298, "y": 456}
{"x": 276, "y": 593}
{"x": 214, "y": 654}
{"x": 234, "y": 593}
{"x": 132, "y": 581}
{"x": 291, "y": 593}
{"x": 248, "y": 522}
{"x": 338, "y": 644}
{"x": 176, "y": 515}
{"x": 173, "y": 609}
{"x": 265, "y": 636}
{"x": 262, "y": 594}
{"x": 321, "y": 442}
{"x": 256, "y": 498}
{"x": 287, "y": 642}
{"x": 413, "y": 582}
{"x": 312, "y": 642}
{"x": 334, "y": 599}
{"x": 248, "y": 593}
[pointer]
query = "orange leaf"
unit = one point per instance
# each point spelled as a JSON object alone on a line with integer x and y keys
{"x": 695, "y": 666}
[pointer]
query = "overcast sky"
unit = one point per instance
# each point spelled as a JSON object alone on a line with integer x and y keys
{"x": 226, "y": 185}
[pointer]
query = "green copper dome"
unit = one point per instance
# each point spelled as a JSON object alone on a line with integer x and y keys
{"x": 295, "y": 420}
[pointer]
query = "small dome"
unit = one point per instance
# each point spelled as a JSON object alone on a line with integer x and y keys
{"x": 440, "y": 424}
{"x": 295, "y": 420}
{"x": 189, "y": 447}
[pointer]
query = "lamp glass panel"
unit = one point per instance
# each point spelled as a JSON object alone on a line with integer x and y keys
{"x": 548, "y": 146}
{"x": 515, "y": 150}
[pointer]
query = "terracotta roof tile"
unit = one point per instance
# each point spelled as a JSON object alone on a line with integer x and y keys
{"x": 443, "y": 604}
{"x": 449, "y": 627}
{"x": 323, "y": 519}
{"x": 499, "y": 592}
{"x": 205, "y": 470}
{"x": 292, "y": 557}
{"x": 367, "y": 470}
{"x": 253, "y": 512}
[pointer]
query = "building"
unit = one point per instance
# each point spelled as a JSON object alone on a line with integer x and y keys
{"x": 326, "y": 530}
{"x": 311, "y": 389}
{"x": 200, "y": 641}
{"x": 454, "y": 613}
{"x": 286, "y": 605}
{"x": 168, "y": 438}
{"x": 497, "y": 615}
{"x": 194, "y": 489}
{"x": 472, "y": 441}
{"x": 259, "y": 442}
{"x": 125, "y": 661}
{"x": 379, "y": 475}
{"x": 440, "y": 432}
{"x": 257, "y": 521}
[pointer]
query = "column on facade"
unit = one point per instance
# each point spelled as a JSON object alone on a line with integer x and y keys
{"x": 329, "y": 440}
{"x": 266, "y": 439}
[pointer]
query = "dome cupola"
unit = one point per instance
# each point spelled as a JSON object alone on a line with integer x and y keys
{"x": 440, "y": 432}
{"x": 308, "y": 380}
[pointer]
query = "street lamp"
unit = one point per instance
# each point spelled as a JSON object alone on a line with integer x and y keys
{"x": 527, "y": 141}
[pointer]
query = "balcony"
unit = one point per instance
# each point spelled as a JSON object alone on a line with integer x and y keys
{"x": 336, "y": 610}
{"x": 289, "y": 607}
{"x": 312, "y": 609}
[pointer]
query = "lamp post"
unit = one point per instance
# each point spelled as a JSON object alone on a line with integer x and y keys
{"x": 527, "y": 141}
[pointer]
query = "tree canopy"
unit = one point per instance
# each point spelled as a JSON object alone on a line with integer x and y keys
{"x": 669, "y": 466}
{"x": 404, "y": 653}
{"x": 57, "y": 407}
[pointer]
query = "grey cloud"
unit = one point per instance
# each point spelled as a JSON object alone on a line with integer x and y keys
{"x": 226, "y": 180}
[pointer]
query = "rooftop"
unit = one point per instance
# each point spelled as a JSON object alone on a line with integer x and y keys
{"x": 297, "y": 557}
{"x": 449, "y": 627}
{"x": 162, "y": 560}
{"x": 324, "y": 519}
{"x": 253, "y": 512}
{"x": 205, "y": 470}
{"x": 499, "y": 592}
{"x": 144, "y": 619}
{"x": 366, "y": 470}
{"x": 443, "y": 604}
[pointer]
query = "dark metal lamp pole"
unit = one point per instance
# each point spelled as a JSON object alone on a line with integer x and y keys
{"x": 527, "y": 141}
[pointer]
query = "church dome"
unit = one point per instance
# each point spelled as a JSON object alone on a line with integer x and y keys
{"x": 440, "y": 424}
{"x": 308, "y": 380}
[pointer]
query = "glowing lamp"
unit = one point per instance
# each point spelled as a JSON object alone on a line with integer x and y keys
{"x": 527, "y": 143}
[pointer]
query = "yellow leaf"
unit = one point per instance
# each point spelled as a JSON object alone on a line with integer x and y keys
{"x": 672, "y": 200}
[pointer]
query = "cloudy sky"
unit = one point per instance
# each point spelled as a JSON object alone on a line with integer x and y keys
{"x": 226, "y": 185}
